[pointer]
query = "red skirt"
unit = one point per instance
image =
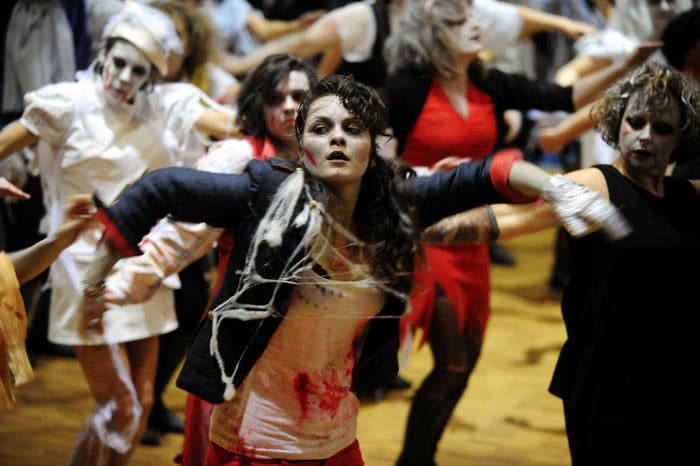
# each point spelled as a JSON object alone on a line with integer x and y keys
{"x": 463, "y": 274}
{"x": 218, "y": 456}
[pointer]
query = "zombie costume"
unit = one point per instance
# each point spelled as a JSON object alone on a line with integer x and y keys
{"x": 87, "y": 146}
{"x": 428, "y": 129}
{"x": 624, "y": 367}
{"x": 271, "y": 280}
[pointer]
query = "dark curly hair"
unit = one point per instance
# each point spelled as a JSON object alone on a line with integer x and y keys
{"x": 383, "y": 216}
{"x": 658, "y": 84}
{"x": 259, "y": 86}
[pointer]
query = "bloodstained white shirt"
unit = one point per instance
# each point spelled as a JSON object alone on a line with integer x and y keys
{"x": 296, "y": 402}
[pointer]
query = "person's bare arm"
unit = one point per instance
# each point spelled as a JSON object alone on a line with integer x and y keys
{"x": 330, "y": 61}
{"x": 219, "y": 124}
{"x": 537, "y": 21}
{"x": 31, "y": 261}
{"x": 7, "y": 189}
{"x": 15, "y": 138}
{"x": 304, "y": 44}
{"x": 554, "y": 138}
{"x": 589, "y": 87}
{"x": 268, "y": 29}
{"x": 579, "y": 66}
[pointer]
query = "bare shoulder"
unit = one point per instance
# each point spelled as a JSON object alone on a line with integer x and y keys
{"x": 593, "y": 178}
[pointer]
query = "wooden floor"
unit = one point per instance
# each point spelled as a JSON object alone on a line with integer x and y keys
{"x": 505, "y": 418}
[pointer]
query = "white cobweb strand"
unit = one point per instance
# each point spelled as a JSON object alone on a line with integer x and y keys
{"x": 278, "y": 219}
{"x": 274, "y": 223}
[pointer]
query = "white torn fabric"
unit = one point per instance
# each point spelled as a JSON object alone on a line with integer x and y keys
{"x": 582, "y": 210}
{"x": 172, "y": 246}
{"x": 101, "y": 432}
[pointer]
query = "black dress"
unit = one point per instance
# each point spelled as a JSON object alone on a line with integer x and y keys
{"x": 626, "y": 373}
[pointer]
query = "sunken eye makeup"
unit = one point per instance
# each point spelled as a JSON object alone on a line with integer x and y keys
{"x": 120, "y": 63}
{"x": 351, "y": 126}
{"x": 659, "y": 127}
{"x": 277, "y": 99}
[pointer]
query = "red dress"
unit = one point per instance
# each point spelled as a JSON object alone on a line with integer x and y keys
{"x": 462, "y": 272}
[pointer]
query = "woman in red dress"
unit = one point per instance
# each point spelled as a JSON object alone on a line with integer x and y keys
{"x": 447, "y": 107}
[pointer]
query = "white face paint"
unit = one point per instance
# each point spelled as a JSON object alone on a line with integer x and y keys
{"x": 336, "y": 144}
{"x": 176, "y": 60}
{"x": 280, "y": 110}
{"x": 126, "y": 69}
{"x": 648, "y": 136}
{"x": 467, "y": 34}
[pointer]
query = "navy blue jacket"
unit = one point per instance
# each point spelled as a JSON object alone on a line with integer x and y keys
{"x": 238, "y": 202}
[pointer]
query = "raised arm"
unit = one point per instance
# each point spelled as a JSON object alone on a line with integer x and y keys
{"x": 9, "y": 190}
{"x": 537, "y": 21}
{"x": 555, "y": 138}
{"x": 219, "y": 124}
{"x": 588, "y": 87}
{"x": 267, "y": 29}
{"x": 33, "y": 260}
{"x": 306, "y": 43}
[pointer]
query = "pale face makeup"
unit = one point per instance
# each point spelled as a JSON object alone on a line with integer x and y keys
{"x": 175, "y": 60}
{"x": 126, "y": 69}
{"x": 336, "y": 144}
{"x": 467, "y": 34}
{"x": 280, "y": 110}
{"x": 648, "y": 136}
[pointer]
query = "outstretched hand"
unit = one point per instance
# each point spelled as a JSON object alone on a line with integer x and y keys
{"x": 7, "y": 189}
{"x": 79, "y": 215}
{"x": 582, "y": 210}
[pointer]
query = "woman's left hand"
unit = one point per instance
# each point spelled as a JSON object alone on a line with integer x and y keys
{"x": 582, "y": 210}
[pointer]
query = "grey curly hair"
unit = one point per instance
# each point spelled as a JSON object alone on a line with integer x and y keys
{"x": 421, "y": 40}
{"x": 659, "y": 84}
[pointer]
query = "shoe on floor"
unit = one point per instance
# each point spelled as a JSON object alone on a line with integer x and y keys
{"x": 500, "y": 255}
{"x": 164, "y": 420}
{"x": 150, "y": 437}
{"x": 399, "y": 383}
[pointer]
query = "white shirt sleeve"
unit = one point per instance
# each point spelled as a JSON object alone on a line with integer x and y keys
{"x": 500, "y": 24}
{"x": 49, "y": 111}
{"x": 179, "y": 106}
{"x": 357, "y": 28}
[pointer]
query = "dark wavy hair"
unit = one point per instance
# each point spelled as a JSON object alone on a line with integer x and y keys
{"x": 259, "y": 86}
{"x": 383, "y": 215}
{"x": 658, "y": 84}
